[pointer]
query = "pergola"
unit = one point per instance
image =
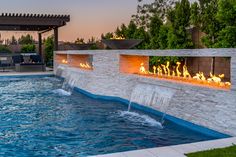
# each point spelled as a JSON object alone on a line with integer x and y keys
{"x": 34, "y": 22}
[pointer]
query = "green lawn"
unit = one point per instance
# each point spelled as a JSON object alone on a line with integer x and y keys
{"x": 223, "y": 152}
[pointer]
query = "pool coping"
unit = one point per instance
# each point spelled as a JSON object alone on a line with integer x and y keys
{"x": 176, "y": 150}
{"x": 25, "y": 74}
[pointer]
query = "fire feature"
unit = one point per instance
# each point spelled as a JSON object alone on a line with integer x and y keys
{"x": 64, "y": 61}
{"x": 164, "y": 72}
{"x": 121, "y": 43}
{"x": 82, "y": 61}
{"x": 118, "y": 38}
{"x": 85, "y": 66}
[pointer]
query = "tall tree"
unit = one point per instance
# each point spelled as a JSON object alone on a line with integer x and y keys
{"x": 178, "y": 36}
{"x": 146, "y": 11}
{"x": 108, "y": 35}
{"x": 163, "y": 36}
{"x": 208, "y": 21}
{"x": 122, "y": 31}
{"x": 24, "y": 40}
{"x": 79, "y": 41}
{"x": 13, "y": 40}
{"x": 48, "y": 44}
{"x": 130, "y": 31}
{"x": 227, "y": 16}
{"x": 154, "y": 28}
{"x": 195, "y": 14}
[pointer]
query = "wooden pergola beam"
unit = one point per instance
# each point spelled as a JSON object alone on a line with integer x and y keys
{"x": 34, "y": 22}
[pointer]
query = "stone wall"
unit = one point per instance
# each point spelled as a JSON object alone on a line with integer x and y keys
{"x": 212, "y": 108}
{"x": 206, "y": 65}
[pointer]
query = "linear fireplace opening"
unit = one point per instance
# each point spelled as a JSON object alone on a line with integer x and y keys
{"x": 61, "y": 59}
{"x": 213, "y": 72}
{"x": 82, "y": 61}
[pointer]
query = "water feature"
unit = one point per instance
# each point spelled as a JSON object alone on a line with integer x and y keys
{"x": 68, "y": 84}
{"x": 152, "y": 96}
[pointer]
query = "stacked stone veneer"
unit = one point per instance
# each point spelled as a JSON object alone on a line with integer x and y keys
{"x": 212, "y": 108}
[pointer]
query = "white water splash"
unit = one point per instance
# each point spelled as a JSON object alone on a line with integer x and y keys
{"x": 138, "y": 118}
{"x": 69, "y": 83}
{"x": 61, "y": 92}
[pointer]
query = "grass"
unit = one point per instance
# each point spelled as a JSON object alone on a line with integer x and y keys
{"x": 222, "y": 152}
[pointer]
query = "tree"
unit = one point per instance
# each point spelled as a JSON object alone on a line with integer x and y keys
{"x": 122, "y": 31}
{"x": 48, "y": 49}
{"x": 108, "y": 35}
{"x": 226, "y": 38}
{"x": 79, "y": 41}
{"x": 178, "y": 36}
{"x": 13, "y": 40}
{"x": 28, "y": 48}
{"x": 154, "y": 28}
{"x": 227, "y": 12}
{"x": 227, "y": 16}
{"x": 4, "y": 49}
{"x": 24, "y": 40}
{"x": 163, "y": 36}
{"x": 131, "y": 29}
{"x": 195, "y": 18}
{"x": 146, "y": 11}
{"x": 208, "y": 21}
{"x": 92, "y": 40}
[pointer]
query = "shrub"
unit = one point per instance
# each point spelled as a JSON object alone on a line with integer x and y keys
{"x": 4, "y": 49}
{"x": 48, "y": 50}
{"x": 28, "y": 48}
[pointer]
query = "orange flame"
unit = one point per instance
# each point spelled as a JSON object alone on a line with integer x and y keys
{"x": 118, "y": 38}
{"x": 85, "y": 66}
{"x": 163, "y": 71}
{"x": 64, "y": 61}
{"x": 142, "y": 69}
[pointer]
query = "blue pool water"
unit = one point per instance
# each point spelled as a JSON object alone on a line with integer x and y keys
{"x": 37, "y": 119}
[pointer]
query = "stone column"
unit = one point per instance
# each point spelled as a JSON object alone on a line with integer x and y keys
{"x": 233, "y": 72}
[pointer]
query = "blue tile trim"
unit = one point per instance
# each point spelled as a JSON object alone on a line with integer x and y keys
{"x": 181, "y": 122}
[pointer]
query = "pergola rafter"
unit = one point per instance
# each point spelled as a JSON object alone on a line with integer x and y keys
{"x": 34, "y": 22}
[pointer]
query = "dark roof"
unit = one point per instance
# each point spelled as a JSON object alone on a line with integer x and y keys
{"x": 31, "y": 22}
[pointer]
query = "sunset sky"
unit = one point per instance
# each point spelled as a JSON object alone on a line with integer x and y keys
{"x": 88, "y": 17}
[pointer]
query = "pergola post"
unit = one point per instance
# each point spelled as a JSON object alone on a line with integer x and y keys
{"x": 55, "y": 38}
{"x": 40, "y": 43}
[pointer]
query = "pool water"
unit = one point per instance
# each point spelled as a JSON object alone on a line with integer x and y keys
{"x": 38, "y": 119}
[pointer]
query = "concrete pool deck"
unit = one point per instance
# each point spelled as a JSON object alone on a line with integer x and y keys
{"x": 176, "y": 150}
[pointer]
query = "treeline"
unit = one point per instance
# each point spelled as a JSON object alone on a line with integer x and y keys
{"x": 165, "y": 24}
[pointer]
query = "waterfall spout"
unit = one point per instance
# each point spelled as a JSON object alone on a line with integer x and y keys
{"x": 68, "y": 84}
{"x": 152, "y": 96}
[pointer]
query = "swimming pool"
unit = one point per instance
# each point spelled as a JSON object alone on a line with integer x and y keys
{"x": 37, "y": 119}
